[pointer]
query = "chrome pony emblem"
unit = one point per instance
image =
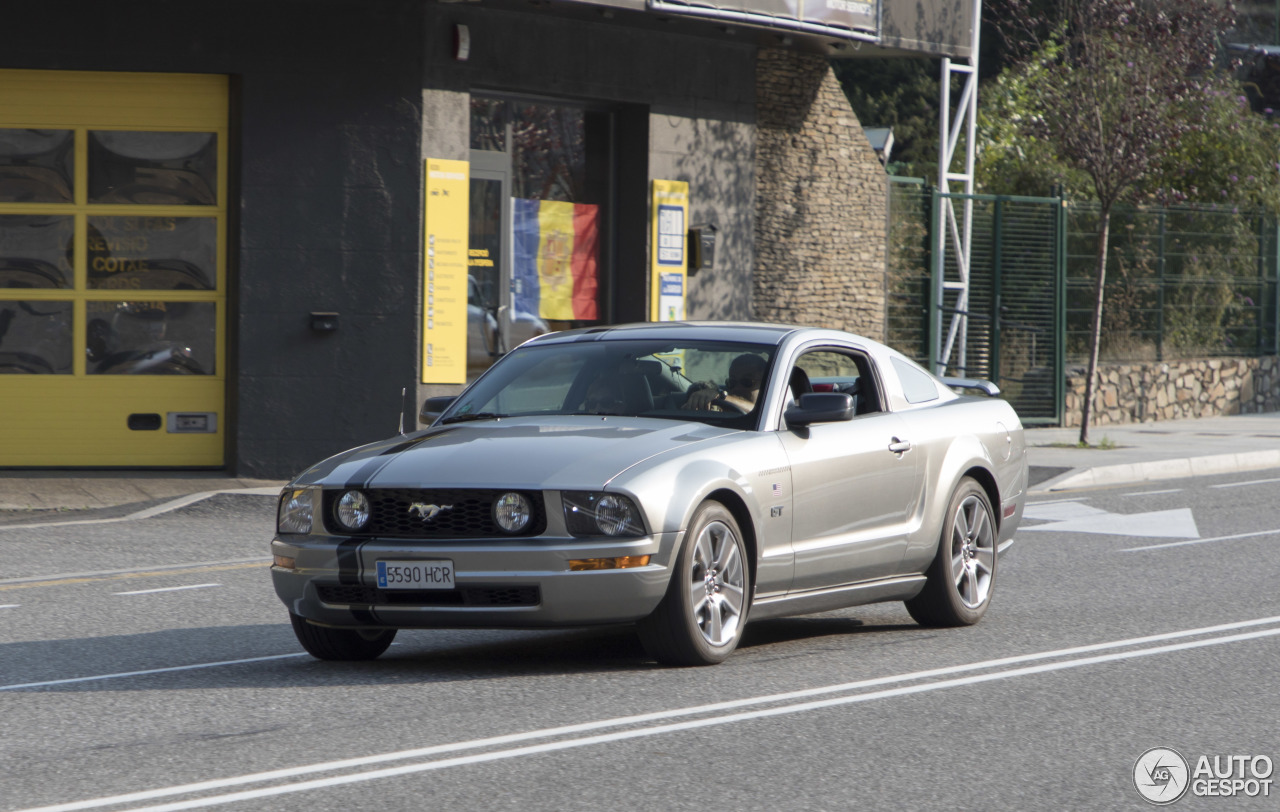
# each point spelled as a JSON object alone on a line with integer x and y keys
{"x": 427, "y": 512}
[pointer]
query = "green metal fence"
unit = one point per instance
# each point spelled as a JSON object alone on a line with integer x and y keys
{"x": 1013, "y": 310}
{"x": 1182, "y": 283}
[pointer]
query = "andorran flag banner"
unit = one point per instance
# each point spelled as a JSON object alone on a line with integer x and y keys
{"x": 555, "y": 247}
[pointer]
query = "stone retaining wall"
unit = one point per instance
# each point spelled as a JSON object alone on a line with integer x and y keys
{"x": 1138, "y": 393}
{"x": 821, "y": 202}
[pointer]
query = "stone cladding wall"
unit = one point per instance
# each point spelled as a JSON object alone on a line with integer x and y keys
{"x": 821, "y": 202}
{"x": 1138, "y": 393}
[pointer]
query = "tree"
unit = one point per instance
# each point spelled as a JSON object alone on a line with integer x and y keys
{"x": 1112, "y": 73}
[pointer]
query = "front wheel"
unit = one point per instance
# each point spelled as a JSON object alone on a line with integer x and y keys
{"x": 962, "y": 575}
{"x": 701, "y": 618}
{"x": 325, "y": 643}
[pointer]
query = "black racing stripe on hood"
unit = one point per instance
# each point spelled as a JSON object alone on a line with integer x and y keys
{"x": 362, "y": 477}
{"x": 408, "y": 444}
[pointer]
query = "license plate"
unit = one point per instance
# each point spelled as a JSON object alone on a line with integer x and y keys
{"x": 415, "y": 575}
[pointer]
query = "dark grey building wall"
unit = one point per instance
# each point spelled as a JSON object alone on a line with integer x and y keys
{"x": 326, "y": 127}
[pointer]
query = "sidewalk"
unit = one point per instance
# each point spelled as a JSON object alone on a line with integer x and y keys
{"x": 88, "y": 490}
{"x": 1153, "y": 451}
{"x": 1143, "y": 452}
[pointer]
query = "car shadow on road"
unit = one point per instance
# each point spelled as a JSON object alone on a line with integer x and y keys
{"x": 184, "y": 659}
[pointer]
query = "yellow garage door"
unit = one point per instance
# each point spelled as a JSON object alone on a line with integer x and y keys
{"x": 112, "y": 269}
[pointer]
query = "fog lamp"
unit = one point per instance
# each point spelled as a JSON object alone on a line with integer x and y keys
{"x": 353, "y": 510}
{"x": 512, "y": 512}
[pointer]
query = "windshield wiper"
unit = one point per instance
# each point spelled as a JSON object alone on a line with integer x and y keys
{"x": 462, "y": 418}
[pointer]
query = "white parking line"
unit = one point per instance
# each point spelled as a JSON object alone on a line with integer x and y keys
{"x": 166, "y": 589}
{"x": 1242, "y": 484}
{"x": 1199, "y": 541}
{"x": 789, "y": 705}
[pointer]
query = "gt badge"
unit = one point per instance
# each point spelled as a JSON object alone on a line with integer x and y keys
{"x": 427, "y": 512}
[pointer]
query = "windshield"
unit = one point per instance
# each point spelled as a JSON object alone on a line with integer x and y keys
{"x": 708, "y": 381}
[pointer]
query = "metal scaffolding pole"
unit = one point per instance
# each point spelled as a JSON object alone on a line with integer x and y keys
{"x": 947, "y": 228}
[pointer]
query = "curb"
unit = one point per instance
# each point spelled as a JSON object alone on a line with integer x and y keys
{"x": 1131, "y": 473}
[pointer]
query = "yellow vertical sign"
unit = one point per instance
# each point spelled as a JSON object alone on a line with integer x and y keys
{"x": 444, "y": 281}
{"x": 668, "y": 216}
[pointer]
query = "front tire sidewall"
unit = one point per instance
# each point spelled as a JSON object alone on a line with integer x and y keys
{"x": 672, "y": 634}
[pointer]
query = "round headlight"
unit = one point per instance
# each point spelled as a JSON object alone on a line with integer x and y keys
{"x": 512, "y": 512}
{"x": 613, "y": 514}
{"x": 353, "y": 510}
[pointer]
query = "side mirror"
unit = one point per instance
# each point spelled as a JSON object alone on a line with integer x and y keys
{"x": 820, "y": 407}
{"x": 432, "y": 408}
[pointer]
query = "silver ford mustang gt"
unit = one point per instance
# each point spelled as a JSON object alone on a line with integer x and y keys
{"x": 683, "y": 477}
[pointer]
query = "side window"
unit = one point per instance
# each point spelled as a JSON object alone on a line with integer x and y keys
{"x": 833, "y": 371}
{"x": 918, "y": 386}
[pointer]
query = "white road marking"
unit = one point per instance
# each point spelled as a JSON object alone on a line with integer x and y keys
{"x": 10, "y": 606}
{"x": 1061, "y": 511}
{"x": 1152, "y": 493}
{"x": 1201, "y": 541}
{"x": 659, "y": 716}
{"x": 173, "y": 504}
{"x": 1164, "y": 524}
{"x": 161, "y": 568}
{"x": 1242, "y": 484}
{"x": 166, "y": 589}
{"x": 146, "y": 673}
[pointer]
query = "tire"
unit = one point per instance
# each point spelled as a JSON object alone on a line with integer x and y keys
{"x": 325, "y": 643}
{"x": 962, "y": 576}
{"x": 701, "y": 618}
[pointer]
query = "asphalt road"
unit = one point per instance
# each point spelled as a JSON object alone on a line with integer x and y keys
{"x": 147, "y": 664}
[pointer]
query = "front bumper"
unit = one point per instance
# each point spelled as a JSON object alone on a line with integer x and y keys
{"x": 501, "y": 583}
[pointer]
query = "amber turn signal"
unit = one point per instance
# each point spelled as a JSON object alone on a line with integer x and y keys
{"x": 625, "y": 562}
{"x": 284, "y": 562}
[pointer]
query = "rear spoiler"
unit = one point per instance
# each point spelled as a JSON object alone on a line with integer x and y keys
{"x": 985, "y": 387}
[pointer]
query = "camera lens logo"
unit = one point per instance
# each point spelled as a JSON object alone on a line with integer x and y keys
{"x": 1161, "y": 775}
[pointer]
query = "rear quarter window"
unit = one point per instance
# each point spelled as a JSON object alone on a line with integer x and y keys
{"x": 918, "y": 386}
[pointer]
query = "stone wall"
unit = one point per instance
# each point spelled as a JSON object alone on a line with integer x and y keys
{"x": 1137, "y": 393}
{"x": 821, "y": 202}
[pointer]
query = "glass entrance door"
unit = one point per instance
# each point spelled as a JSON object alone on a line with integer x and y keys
{"x": 539, "y": 221}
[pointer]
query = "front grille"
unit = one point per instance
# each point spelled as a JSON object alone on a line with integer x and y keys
{"x": 434, "y": 514}
{"x": 466, "y": 596}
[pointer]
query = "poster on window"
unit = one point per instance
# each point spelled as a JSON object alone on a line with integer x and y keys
{"x": 555, "y": 254}
{"x": 669, "y": 214}
{"x": 444, "y": 284}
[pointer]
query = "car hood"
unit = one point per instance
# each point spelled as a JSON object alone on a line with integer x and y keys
{"x": 569, "y": 452}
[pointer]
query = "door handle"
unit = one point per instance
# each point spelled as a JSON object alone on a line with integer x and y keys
{"x": 899, "y": 446}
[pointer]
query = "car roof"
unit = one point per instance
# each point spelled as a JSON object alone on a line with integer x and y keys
{"x": 743, "y": 331}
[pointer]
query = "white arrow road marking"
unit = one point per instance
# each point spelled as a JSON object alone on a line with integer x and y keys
{"x": 1061, "y": 511}
{"x": 1077, "y": 518}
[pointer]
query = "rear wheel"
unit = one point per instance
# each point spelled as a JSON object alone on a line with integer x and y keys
{"x": 962, "y": 575}
{"x": 327, "y": 643}
{"x": 701, "y": 618}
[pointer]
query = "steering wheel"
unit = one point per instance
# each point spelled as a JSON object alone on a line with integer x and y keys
{"x": 728, "y": 405}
